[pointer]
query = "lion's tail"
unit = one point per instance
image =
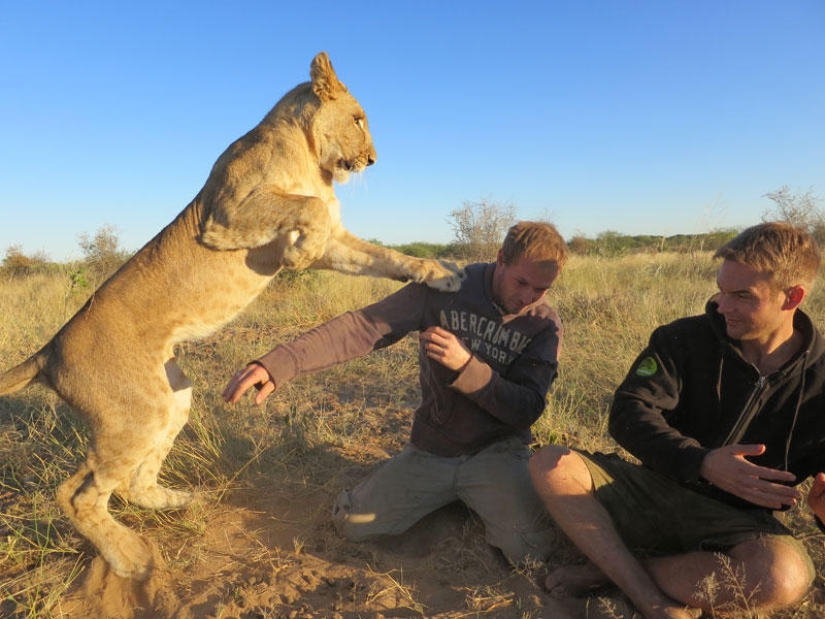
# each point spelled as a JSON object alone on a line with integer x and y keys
{"x": 22, "y": 375}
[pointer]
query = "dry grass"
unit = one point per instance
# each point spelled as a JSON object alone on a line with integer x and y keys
{"x": 314, "y": 428}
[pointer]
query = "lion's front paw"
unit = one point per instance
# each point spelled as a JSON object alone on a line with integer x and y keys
{"x": 444, "y": 276}
{"x": 302, "y": 249}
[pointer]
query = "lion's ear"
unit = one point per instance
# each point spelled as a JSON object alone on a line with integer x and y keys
{"x": 325, "y": 82}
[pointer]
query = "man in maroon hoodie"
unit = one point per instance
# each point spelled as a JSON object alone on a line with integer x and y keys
{"x": 488, "y": 355}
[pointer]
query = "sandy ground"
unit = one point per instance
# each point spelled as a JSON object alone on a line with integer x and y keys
{"x": 271, "y": 552}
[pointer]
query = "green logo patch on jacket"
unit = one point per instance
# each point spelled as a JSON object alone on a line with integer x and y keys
{"x": 647, "y": 367}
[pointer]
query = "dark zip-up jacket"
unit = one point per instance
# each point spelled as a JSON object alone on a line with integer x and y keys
{"x": 500, "y": 393}
{"x": 691, "y": 391}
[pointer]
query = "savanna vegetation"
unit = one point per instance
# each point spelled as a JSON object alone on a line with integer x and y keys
{"x": 315, "y": 434}
{"x": 258, "y": 542}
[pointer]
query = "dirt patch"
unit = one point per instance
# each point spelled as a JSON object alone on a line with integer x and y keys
{"x": 273, "y": 554}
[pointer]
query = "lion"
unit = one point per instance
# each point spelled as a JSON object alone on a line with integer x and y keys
{"x": 267, "y": 204}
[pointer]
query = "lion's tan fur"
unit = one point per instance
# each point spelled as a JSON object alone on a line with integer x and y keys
{"x": 268, "y": 203}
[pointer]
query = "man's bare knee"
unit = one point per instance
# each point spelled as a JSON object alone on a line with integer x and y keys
{"x": 546, "y": 459}
{"x": 555, "y": 469}
{"x": 792, "y": 575}
{"x": 780, "y": 573}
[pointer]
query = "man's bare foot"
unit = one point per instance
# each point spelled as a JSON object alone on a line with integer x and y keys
{"x": 575, "y": 580}
{"x": 680, "y": 612}
{"x": 671, "y": 610}
{"x": 619, "y": 607}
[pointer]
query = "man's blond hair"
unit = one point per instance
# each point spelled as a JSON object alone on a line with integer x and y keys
{"x": 788, "y": 253}
{"x": 535, "y": 241}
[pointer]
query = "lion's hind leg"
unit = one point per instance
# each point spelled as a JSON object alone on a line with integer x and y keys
{"x": 125, "y": 457}
{"x": 84, "y": 498}
{"x": 142, "y": 487}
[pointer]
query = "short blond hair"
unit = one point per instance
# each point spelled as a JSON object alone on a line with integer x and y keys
{"x": 536, "y": 241}
{"x": 788, "y": 253}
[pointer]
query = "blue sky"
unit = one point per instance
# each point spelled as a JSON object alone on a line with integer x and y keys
{"x": 657, "y": 117}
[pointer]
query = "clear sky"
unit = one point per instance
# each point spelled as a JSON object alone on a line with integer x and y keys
{"x": 640, "y": 117}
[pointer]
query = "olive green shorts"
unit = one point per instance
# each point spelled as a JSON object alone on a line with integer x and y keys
{"x": 655, "y": 515}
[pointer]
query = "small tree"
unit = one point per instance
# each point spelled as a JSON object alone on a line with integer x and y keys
{"x": 479, "y": 228}
{"x": 580, "y": 245}
{"x": 798, "y": 209}
{"x": 102, "y": 253}
{"x": 611, "y": 243}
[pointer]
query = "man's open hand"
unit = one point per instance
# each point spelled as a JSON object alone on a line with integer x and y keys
{"x": 253, "y": 375}
{"x": 728, "y": 468}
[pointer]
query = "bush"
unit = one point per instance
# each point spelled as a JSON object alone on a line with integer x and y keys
{"x": 17, "y": 263}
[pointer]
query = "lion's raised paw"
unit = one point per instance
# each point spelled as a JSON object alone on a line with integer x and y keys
{"x": 444, "y": 276}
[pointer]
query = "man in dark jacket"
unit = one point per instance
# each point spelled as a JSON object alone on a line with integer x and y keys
{"x": 726, "y": 413}
{"x": 488, "y": 355}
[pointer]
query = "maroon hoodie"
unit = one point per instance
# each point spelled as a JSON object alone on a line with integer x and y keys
{"x": 500, "y": 393}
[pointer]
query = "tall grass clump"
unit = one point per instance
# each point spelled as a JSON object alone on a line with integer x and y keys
{"x": 312, "y": 429}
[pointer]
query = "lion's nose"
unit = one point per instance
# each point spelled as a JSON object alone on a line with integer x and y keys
{"x": 372, "y": 156}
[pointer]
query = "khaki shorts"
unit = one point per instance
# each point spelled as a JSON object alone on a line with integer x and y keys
{"x": 494, "y": 483}
{"x": 652, "y": 512}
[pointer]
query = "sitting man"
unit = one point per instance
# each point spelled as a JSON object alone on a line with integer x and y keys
{"x": 726, "y": 412}
{"x": 488, "y": 355}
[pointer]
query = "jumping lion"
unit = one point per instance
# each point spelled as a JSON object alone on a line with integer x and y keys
{"x": 268, "y": 203}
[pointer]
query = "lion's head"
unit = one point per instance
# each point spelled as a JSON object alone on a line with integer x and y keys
{"x": 316, "y": 134}
{"x": 339, "y": 126}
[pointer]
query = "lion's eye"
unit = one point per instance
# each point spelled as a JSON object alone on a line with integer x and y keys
{"x": 359, "y": 122}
